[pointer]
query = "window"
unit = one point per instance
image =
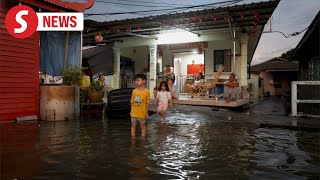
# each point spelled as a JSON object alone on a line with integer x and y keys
{"x": 248, "y": 71}
{"x": 222, "y": 57}
{"x": 314, "y": 67}
{"x": 260, "y": 83}
{"x": 250, "y": 87}
{"x": 277, "y": 82}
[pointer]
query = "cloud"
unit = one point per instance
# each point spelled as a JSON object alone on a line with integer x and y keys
{"x": 290, "y": 16}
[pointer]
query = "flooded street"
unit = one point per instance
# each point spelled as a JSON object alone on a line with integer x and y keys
{"x": 192, "y": 144}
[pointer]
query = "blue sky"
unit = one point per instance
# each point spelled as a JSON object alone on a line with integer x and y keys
{"x": 290, "y": 16}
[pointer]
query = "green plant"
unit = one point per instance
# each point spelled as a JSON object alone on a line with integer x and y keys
{"x": 96, "y": 86}
{"x": 72, "y": 76}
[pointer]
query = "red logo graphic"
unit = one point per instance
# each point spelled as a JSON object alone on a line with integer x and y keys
{"x": 21, "y": 21}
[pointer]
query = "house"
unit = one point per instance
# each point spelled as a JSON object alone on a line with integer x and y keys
{"x": 307, "y": 89}
{"x": 274, "y": 77}
{"x": 20, "y": 59}
{"x": 203, "y": 39}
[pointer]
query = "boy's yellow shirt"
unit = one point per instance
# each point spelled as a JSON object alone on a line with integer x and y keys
{"x": 139, "y": 101}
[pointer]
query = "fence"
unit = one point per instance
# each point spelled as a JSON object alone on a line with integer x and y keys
{"x": 305, "y": 98}
{"x": 128, "y": 82}
{"x": 183, "y": 80}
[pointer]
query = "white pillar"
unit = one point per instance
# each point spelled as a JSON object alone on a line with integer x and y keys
{"x": 116, "y": 66}
{"x": 244, "y": 59}
{"x": 294, "y": 97}
{"x": 153, "y": 67}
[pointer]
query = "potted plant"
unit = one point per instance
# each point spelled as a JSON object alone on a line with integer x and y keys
{"x": 72, "y": 76}
{"x": 95, "y": 91}
{"x": 59, "y": 102}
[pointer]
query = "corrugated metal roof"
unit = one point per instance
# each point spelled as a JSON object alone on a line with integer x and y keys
{"x": 276, "y": 64}
{"x": 75, "y": 6}
{"x": 245, "y": 16}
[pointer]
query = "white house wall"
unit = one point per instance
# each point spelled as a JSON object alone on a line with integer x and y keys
{"x": 141, "y": 57}
{"x": 267, "y": 82}
{"x": 254, "y": 93}
{"x": 215, "y": 45}
{"x": 216, "y": 41}
{"x": 186, "y": 59}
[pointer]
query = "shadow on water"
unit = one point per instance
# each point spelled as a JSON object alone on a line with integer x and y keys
{"x": 187, "y": 146}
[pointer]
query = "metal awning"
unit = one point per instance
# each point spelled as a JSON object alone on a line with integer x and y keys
{"x": 250, "y": 18}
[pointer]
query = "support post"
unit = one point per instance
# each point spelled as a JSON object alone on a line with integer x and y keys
{"x": 244, "y": 59}
{"x": 153, "y": 67}
{"x": 116, "y": 65}
{"x": 234, "y": 50}
{"x": 66, "y": 52}
{"x": 294, "y": 106}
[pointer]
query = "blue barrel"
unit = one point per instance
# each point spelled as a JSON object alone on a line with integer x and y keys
{"x": 219, "y": 88}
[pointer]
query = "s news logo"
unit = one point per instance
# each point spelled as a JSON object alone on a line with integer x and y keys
{"x": 22, "y": 21}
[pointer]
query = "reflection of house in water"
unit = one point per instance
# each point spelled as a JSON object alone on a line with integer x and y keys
{"x": 19, "y": 154}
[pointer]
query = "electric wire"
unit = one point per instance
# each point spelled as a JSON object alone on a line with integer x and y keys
{"x": 291, "y": 34}
{"x": 146, "y": 2}
{"x": 166, "y": 9}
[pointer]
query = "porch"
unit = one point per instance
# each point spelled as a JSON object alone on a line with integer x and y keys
{"x": 184, "y": 99}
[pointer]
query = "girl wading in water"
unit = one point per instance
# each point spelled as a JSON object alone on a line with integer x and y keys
{"x": 163, "y": 98}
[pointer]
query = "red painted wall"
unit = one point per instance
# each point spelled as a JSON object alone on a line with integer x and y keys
{"x": 195, "y": 68}
{"x": 19, "y": 73}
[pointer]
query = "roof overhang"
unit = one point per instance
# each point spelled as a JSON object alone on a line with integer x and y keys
{"x": 247, "y": 16}
{"x": 283, "y": 70}
{"x": 59, "y": 5}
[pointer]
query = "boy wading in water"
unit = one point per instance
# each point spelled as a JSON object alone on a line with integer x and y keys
{"x": 163, "y": 97}
{"x": 140, "y": 100}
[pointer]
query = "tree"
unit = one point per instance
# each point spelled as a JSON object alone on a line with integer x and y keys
{"x": 287, "y": 54}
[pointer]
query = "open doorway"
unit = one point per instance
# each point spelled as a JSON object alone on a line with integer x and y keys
{"x": 188, "y": 63}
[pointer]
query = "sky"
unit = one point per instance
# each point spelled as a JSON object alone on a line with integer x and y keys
{"x": 290, "y": 16}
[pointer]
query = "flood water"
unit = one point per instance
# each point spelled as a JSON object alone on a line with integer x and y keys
{"x": 189, "y": 146}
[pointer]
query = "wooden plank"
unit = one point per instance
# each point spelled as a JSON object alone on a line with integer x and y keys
{"x": 18, "y": 60}
{"x": 2, "y": 26}
{"x": 26, "y": 65}
{"x": 15, "y": 106}
{"x": 16, "y": 95}
{"x": 15, "y": 74}
{"x": 14, "y": 42}
{"x": 36, "y": 82}
{"x": 16, "y": 101}
{"x": 3, "y": 11}
{"x": 12, "y": 49}
{"x": 16, "y": 54}
{"x": 15, "y": 85}
{"x": 18, "y": 110}
{"x": 17, "y": 45}
{"x": 16, "y": 69}
{"x": 16, "y": 80}
{"x": 16, "y": 90}
{"x": 194, "y": 101}
{"x": 10, "y": 116}
{"x": 11, "y": 39}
